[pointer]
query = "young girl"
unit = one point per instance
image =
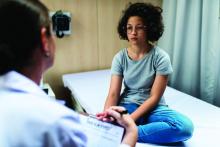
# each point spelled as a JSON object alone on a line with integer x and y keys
{"x": 144, "y": 69}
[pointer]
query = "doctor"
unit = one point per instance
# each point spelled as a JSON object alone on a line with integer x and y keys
{"x": 28, "y": 117}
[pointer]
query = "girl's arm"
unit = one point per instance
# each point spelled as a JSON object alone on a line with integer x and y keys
{"x": 114, "y": 91}
{"x": 157, "y": 91}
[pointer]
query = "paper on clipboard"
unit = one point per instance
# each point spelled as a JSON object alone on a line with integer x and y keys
{"x": 101, "y": 133}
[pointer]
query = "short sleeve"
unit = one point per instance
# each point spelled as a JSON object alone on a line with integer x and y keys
{"x": 116, "y": 68}
{"x": 163, "y": 64}
{"x": 66, "y": 132}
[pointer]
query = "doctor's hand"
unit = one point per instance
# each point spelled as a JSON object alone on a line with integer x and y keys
{"x": 115, "y": 113}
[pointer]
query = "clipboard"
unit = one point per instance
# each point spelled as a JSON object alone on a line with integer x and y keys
{"x": 101, "y": 133}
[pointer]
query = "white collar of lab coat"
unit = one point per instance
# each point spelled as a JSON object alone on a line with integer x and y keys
{"x": 17, "y": 82}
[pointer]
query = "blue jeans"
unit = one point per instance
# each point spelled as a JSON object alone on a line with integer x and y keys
{"x": 162, "y": 125}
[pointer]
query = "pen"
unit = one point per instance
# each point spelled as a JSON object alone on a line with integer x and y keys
{"x": 123, "y": 112}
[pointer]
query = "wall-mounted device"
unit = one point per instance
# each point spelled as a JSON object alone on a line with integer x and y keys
{"x": 61, "y": 23}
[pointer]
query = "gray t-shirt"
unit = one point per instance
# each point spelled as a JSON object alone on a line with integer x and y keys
{"x": 138, "y": 76}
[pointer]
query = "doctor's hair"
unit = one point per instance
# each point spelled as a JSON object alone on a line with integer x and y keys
{"x": 151, "y": 17}
{"x": 20, "y": 27}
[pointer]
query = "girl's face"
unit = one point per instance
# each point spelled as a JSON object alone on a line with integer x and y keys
{"x": 136, "y": 30}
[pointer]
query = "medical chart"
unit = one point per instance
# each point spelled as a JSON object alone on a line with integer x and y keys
{"x": 101, "y": 133}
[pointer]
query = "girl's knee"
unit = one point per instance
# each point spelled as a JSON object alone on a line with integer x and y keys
{"x": 185, "y": 129}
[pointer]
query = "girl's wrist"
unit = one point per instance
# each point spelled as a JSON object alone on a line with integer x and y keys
{"x": 133, "y": 117}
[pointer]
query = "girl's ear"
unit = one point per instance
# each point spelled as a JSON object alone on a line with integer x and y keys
{"x": 45, "y": 42}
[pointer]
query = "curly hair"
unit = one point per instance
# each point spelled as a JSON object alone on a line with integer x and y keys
{"x": 151, "y": 16}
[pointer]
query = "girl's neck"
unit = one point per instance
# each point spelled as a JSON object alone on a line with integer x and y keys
{"x": 140, "y": 49}
{"x": 138, "y": 52}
